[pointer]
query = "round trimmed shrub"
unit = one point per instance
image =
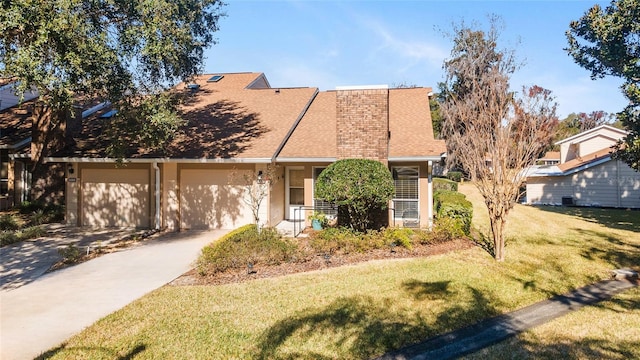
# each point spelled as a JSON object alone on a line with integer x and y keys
{"x": 361, "y": 189}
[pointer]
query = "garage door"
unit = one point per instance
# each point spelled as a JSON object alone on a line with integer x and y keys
{"x": 209, "y": 201}
{"x": 115, "y": 197}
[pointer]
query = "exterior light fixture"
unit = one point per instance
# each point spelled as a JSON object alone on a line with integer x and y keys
{"x": 260, "y": 178}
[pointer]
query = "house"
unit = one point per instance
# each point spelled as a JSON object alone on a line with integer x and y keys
{"x": 549, "y": 158}
{"x": 587, "y": 175}
{"x": 15, "y": 145}
{"x": 238, "y": 124}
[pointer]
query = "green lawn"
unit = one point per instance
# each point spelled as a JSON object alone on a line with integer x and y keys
{"x": 365, "y": 310}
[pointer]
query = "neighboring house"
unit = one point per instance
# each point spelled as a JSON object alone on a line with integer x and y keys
{"x": 549, "y": 158}
{"x": 238, "y": 123}
{"x": 586, "y": 174}
{"x": 15, "y": 145}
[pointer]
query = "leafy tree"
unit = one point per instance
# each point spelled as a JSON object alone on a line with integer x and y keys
{"x": 491, "y": 131}
{"x": 436, "y": 118}
{"x": 577, "y": 123}
{"x": 126, "y": 52}
{"x": 361, "y": 188}
{"x": 607, "y": 42}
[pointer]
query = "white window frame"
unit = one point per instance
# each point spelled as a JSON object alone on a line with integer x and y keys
{"x": 397, "y": 214}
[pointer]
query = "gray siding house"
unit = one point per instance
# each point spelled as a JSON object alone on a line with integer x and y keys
{"x": 586, "y": 175}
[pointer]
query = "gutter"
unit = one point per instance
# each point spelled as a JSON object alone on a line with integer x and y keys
{"x": 161, "y": 160}
{"x": 157, "y": 193}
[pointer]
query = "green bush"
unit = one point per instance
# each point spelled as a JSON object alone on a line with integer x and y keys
{"x": 31, "y": 232}
{"x": 440, "y": 184}
{"x": 8, "y": 237}
{"x": 70, "y": 254}
{"x": 361, "y": 189}
{"x": 245, "y": 246}
{"x": 399, "y": 237}
{"x": 454, "y": 176}
{"x": 8, "y": 222}
{"x": 454, "y": 205}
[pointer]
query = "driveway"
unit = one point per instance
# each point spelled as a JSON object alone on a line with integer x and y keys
{"x": 50, "y": 308}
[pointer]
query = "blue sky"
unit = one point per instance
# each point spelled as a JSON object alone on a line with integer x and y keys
{"x": 335, "y": 43}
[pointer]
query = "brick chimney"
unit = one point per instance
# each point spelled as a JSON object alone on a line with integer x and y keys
{"x": 363, "y": 122}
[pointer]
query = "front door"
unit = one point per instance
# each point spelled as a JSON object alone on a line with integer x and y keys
{"x": 295, "y": 193}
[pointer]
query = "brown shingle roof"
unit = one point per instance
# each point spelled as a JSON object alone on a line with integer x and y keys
{"x": 15, "y": 125}
{"x": 225, "y": 119}
{"x": 315, "y": 136}
{"x": 583, "y": 160}
{"x": 410, "y": 124}
{"x": 551, "y": 155}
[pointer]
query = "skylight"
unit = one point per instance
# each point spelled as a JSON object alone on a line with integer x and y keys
{"x": 108, "y": 114}
{"x": 215, "y": 78}
{"x": 193, "y": 87}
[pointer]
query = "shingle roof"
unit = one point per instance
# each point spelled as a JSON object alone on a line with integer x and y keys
{"x": 584, "y": 160}
{"x": 15, "y": 125}
{"x": 551, "y": 155}
{"x": 409, "y": 124}
{"x": 225, "y": 119}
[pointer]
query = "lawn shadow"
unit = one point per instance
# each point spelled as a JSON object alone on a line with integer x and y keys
{"x": 365, "y": 327}
{"x": 64, "y": 349}
{"x": 586, "y": 348}
{"x": 618, "y": 253}
{"x": 622, "y": 219}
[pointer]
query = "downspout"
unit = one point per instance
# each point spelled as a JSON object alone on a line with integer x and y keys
{"x": 619, "y": 201}
{"x": 157, "y": 193}
{"x": 430, "y": 193}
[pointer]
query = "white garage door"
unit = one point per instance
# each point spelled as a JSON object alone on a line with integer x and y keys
{"x": 115, "y": 197}
{"x": 209, "y": 201}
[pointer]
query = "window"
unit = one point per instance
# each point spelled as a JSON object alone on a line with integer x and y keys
{"x": 296, "y": 187}
{"x": 4, "y": 172}
{"x": 215, "y": 78}
{"x": 321, "y": 205}
{"x": 405, "y": 179}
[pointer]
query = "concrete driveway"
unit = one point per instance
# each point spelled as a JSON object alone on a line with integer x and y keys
{"x": 50, "y": 308}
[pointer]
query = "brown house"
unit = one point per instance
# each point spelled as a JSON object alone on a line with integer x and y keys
{"x": 238, "y": 124}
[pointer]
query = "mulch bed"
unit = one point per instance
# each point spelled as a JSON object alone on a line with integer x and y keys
{"x": 317, "y": 263}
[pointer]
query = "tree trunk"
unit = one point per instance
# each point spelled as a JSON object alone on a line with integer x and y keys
{"x": 497, "y": 231}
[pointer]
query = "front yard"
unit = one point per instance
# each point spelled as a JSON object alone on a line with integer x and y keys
{"x": 364, "y": 310}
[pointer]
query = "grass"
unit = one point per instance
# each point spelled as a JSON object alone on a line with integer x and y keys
{"x": 368, "y": 309}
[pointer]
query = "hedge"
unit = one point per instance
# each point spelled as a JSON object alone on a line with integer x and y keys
{"x": 442, "y": 184}
{"x": 454, "y": 205}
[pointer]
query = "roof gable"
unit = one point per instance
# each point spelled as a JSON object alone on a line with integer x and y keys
{"x": 604, "y": 130}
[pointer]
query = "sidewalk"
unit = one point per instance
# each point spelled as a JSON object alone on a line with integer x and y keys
{"x": 40, "y": 315}
{"x": 490, "y": 331}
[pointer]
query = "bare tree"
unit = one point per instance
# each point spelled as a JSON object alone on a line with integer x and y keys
{"x": 491, "y": 131}
{"x": 256, "y": 187}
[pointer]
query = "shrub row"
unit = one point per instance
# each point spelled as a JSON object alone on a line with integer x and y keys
{"x": 455, "y": 206}
{"x": 244, "y": 247}
{"x": 12, "y": 236}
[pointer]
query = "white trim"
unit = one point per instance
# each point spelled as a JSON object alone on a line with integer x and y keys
{"x": 163, "y": 160}
{"x": 415, "y": 158}
{"x": 287, "y": 197}
{"x": 571, "y": 171}
{"x": 362, "y": 87}
{"x": 306, "y": 159}
{"x": 592, "y": 131}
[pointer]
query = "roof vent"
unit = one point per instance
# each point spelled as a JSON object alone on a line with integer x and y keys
{"x": 193, "y": 87}
{"x": 215, "y": 78}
